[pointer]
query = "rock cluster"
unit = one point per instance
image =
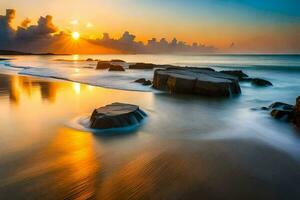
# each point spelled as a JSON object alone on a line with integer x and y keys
{"x": 286, "y": 112}
{"x": 116, "y": 115}
{"x": 109, "y": 65}
{"x": 244, "y": 77}
{"x": 196, "y": 81}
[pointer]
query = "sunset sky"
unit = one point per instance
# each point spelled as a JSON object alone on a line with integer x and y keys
{"x": 227, "y": 25}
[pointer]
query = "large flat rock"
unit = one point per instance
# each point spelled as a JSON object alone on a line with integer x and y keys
{"x": 116, "y": 115}
{"x": 196, "y": 81}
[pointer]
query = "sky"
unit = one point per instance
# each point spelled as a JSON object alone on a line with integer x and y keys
{"x": 237, "y": 26}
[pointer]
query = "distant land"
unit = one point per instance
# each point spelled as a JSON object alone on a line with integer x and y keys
{"x": 9, "y": 52}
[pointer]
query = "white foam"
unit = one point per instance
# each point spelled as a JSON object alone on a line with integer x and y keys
{"x": 115, "y": 80}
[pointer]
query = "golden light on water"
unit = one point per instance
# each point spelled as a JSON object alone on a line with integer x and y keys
{"x": 75, "y": 35}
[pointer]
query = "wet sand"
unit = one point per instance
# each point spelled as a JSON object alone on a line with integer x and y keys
{"x": 185, "y": 150}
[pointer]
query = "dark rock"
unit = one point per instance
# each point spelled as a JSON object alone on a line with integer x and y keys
{"x": 282, "y": 106}
{"x": 141, "y": 80}
{"x": 89, "y": 59}
{"x": 117, "y": 60}
{"x": 236, "y": 73}
{"x": 103, "y": 65}
{"x": 282, "y": 114}
{"x": 296, "y": 119}
{"x": 116, "y": 68}
{"x": 147, "y": 82}
{"x": 116, "y": 115}
{"x": 143, "y": 66}
{"x": 264, "y": 108}
{"x": 195, "y": 81}
{"x": 261, "y": 82}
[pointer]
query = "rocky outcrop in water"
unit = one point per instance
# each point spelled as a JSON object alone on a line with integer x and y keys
{"x": 109, "y": 65}
{"x": 285, "y": 112}
{"x": 103, "y": 65}
{"x": 244, "y": 77}
{"x": 143, "y": 81}
{"x": 281, "y": 111}
{"x": 260, "y": 82}
{"x": 148, "y": 66}
{"x": 116, "y": 115}
{"x": 116, "y": 68}
{"x": 196, "y": 81}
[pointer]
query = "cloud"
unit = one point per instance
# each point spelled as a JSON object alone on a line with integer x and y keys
{"x": 6, "y": 30}
{"x": 25, "y": 23}
{"x": 43, "y": 29}
{"x": 127, "y": 44}
{"x": 46, "y": 37}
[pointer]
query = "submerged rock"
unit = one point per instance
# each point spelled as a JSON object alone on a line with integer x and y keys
{"x": 143, "y": 81}
{"x": 116, "y": 68}
{"x": 89, "y": 59}
{"x": 147, "y": 82}
{"x": 140, "y": 80}
{"x": 260, "y": 82}
{"x": 116, "y": 115}
{"x": 196, "y": 81}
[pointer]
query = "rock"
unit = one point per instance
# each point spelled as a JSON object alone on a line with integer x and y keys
{"x": 142, "y": 66}
{"x": 89, "y": 59}
{"x": 281, "y": 106}
{"x": 140, "y": 80}
{"x": 282, "y": 114}
{"x": 116, "y": 68}
{"x": 196, "y": 81}
{"x": 116, "y": 115}
{"x": 261, "y": 82}
{"x": 147, "y": 82}
{"x": 236, "y": 73}
{"x": 117, "y": 60}
{"x": 143, "y": 81}
{"x": 282, "y": 111}
{"x": 103, "y": 65}
{"x": 296, "y": 119}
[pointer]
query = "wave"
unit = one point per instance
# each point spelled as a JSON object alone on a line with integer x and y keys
{"x": 112, "y": 80}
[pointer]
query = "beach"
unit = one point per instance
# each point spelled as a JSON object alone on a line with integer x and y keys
{"x": 189, "y": 147}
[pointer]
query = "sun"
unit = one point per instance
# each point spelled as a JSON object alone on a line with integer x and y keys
{"x": 75, "y": 35}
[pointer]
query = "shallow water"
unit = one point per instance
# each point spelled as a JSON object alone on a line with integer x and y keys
{"x": 189, "y": 147}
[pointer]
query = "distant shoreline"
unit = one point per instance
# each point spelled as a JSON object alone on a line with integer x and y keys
{"x": 10, "y": 53}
